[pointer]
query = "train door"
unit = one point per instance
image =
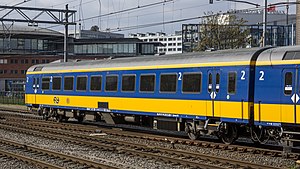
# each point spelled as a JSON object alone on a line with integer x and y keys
{"x": 213, "y": 88}
{"x": 35, "y": 87}
{"x": 290, "y": 96}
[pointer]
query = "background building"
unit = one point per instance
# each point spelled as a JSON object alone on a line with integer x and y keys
{"x": 280, "y": 31}
{"x": 22, "y": 47}
{"x": 171, "y": 43}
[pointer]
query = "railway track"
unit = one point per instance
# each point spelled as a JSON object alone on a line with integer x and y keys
{"x": 268, "y": 150}
{"x": 173, "y": 156}
{"x": 37, "y": 153}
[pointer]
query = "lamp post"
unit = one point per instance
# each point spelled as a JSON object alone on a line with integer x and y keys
{"x": 265, "y": 13}
{"x": 99, "y": 19}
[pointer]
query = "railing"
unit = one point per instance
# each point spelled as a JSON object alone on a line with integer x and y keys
{"x": 12, "y": 98}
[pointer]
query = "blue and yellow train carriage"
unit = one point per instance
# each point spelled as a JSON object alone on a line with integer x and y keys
{"x": 201, "y": 93}
{"x": 277, "y": 87}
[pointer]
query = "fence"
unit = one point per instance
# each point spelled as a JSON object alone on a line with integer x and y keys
{"x": 12, "y": 98}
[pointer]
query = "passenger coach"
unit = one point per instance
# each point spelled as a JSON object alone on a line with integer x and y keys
{"x": 225, "y": 93}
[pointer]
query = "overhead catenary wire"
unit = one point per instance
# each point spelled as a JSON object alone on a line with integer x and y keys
{"x": 128, "y": 27}
{"x": 128, "y": 9}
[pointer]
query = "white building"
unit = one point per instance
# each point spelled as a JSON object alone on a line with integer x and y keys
{"x": 172, "y": 43}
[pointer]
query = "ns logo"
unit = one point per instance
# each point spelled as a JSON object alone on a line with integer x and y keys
{"x": 56, "y": 100}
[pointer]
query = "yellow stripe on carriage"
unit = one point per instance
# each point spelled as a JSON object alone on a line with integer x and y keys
{"x": 226, "y": 109}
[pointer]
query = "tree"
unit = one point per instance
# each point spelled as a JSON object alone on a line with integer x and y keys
{"x": 222, "y": 32}
{"x": 94, "y": 28}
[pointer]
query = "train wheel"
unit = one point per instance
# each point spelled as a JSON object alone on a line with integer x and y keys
{"x": 59, "y": 118}
{"x": 190, "y": 130}
{"x": 259, "y": 135}
{"x": 80, "y": 118}
{"x": 228, "y": 132}
{"x": 45, "y": 114}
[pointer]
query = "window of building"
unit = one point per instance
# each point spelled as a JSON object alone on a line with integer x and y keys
{"x": 178, "y": 39}
{"x": 56, "y": 83}
{"x": 128, "y": 83}
{"x": 288, "y": 82}
{"x": 21, "y": 44}
{"x": 169, "y": 39}
{"x": 179, "y": 44}
{"x": 120, "y": 48}
{"x": 89, "y": 49}
{"x": 231, "y": 83}
{"x": 96, "y": 83}
{"x": 34, "y": 44}
{"x": 23, "y": 71}
{"x": 40, "y": 45}
{"x": 111, "y": 84}
{"x": 3, "y": 61}
{"x": 169, "y": 44}
{"x": 147, "y": 48}
{"x": 95, "y": 51}
{"x": 68, "y": 83}
{"x": 168, "y": 82}
{"x": 27, "y": 44}
{"x": 13, "y": 71}
{"x": 147, "y": 83}
{"x": 191, "y": 82}
{"x": 161, "y": 39}
{"x": 45, "y": 83}
{"x": 81, "y": 83}
{"x": 179, "y": 49}
{"x": 100, "y": 48}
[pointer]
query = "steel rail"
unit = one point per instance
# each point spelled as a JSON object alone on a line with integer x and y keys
{"x": 271, "y": 151}
{"x": 29, "y": 160}
{"x": 141, "y": 150}
{"x": 64, "y": 157}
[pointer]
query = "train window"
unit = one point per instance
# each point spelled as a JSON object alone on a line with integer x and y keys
{"x": 288, "y": 82}
{"x": 96, "y": 82}
{"x": 81, "y": 83}
{"x": 128, "y": 83}
{"x": 147, "y": 83}
{"x": 56, "y": 83}
{"x": 210, "y": 85}
{"x": 231, "y": 83}
{"x": 168, "y": 82}
{"x": 297, "y": 55}
{"x": 191, "y": 82}
{"x": 291, "y": 55}
{"x": 45, "y": 83}
{"x": 111, "y": 83}
{"x": 217, "y": 82}
{"x": 68, "y": 83}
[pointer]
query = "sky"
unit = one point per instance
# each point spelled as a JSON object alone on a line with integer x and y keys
{"x": 146, "y": 16}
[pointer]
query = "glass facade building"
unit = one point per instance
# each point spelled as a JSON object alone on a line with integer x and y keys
{"x": 277, "y": 35}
